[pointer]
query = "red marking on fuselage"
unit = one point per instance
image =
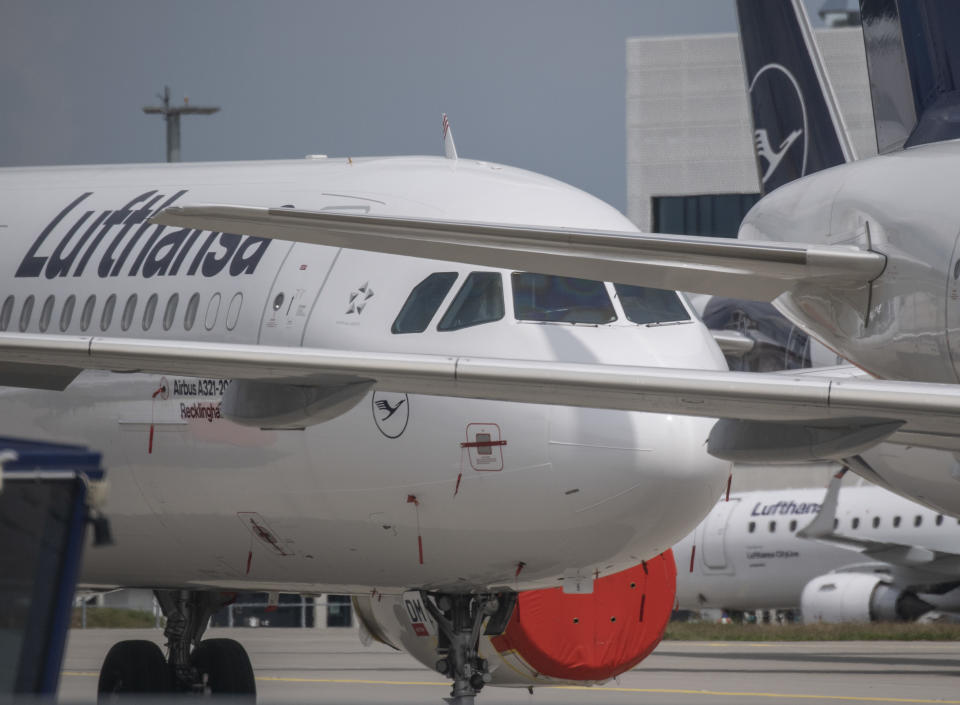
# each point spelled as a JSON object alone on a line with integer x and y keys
{"x": 482, "y": 444}
{"x": 693, "y": 552}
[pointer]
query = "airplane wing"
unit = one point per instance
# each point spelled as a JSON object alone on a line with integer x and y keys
{"x": 899, "y": 554}
{"x": 759, "y": 271}
{"x": 786, "y": 416}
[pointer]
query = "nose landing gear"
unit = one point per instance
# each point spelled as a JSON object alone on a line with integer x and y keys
{"x": 192, "y": 666}
{"x": 460, "y": 618}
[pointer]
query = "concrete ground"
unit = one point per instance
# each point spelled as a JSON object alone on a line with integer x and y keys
{"x": 331, "y": 667}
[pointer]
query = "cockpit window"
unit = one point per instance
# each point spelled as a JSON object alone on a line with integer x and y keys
{"x": 541, "y": 297}
{"x": 423, "y": 303}
{"x": 643, "y": 304}
{"x": 480, "y": 300}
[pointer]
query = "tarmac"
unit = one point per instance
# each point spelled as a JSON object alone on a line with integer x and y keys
{"x": 332, "y": 667}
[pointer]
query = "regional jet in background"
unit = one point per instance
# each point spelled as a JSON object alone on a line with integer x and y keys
{"x": 857, "y": 554}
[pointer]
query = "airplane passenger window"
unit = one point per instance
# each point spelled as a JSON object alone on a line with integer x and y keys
{"x": 191, "y": 314}
{"x": 66, "y": 315}
{"x": 170, "y": 312}
{"x": 107, "y": 316}
{"x": 26, "y": 312}
{"x": 939, "y": 519}
{"x": 148, "y": 311}
{"x": 855, "y": 524}
{"x": 876, "y": 522}
{"x": 480, "y": 300}
{"x": 6, "y": 312}
{"x": 896, "y": 522}
{"x": 773, "y": 526}
{"x": 46, "y": 313}
{"x": 793, "y": 525}
{"x": 751, "y": 526}
{"x": 233, "y": 310}
{"x": 419, "y": 308}
{"x": 836, "y": 523}
{"x": 128, "y": 310}
{"x": 87, "y": 314}
{"x": 643, "y": 304}
{"x": 213, "y": 310}
{"x": 917, "y": 520}
{"x": 541, "y": 297}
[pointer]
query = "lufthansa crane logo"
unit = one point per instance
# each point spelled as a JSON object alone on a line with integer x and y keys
{"x": 391, "y": 412}
{"x": 774, "y": 143}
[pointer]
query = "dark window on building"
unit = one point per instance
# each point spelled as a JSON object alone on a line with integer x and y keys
{"x": 542, "y": 297}
{"x": 423, "y": 302}
{"x": 645, "y": 305}
{"x": 480, "y": 300}
{"x": 717, "y": 214}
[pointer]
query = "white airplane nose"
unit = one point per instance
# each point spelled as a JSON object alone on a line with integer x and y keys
{"x": 648, "y": 472}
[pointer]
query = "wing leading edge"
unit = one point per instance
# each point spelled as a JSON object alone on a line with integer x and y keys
{"x": 815, "y": 405}
{"x": 749, "y": 270}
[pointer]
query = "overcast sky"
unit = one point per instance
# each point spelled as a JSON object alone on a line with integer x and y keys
{"x": 538, "y": 84}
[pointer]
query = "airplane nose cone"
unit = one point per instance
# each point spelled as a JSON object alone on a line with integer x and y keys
{"x": 647, "y": 477}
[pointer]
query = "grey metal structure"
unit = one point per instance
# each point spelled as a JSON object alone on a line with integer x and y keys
{"x": 172, "y": 117}
{"x": 688, "y": 124}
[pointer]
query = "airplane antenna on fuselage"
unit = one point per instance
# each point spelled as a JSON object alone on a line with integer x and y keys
{"x": 449, "y": 148}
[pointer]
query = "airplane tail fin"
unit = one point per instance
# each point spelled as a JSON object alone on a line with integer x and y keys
{"x": 449, "y": 148}
{"x": 798, "y": 128}
{"x": 914, "y": 63}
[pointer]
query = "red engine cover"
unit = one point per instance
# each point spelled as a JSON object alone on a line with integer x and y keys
{"x": 598, "y": 636}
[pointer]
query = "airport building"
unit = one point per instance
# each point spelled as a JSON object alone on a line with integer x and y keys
{"x": 690, "y": 160}
{"x": 690, "y": 164}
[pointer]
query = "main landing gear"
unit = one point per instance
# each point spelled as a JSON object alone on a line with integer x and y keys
{"x": 459, "y": 618}
{"x": 218, "y": 666}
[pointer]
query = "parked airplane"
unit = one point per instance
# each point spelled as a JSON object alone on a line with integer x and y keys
{"x": 295, "y": 479}
{"x": 288, "y": 477}
{"x": 856, "y": 554}
{"x": 859, "y": 255}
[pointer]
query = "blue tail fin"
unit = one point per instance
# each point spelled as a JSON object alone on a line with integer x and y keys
{"x": 797, "y": 127}
{"x": 914, "y": 62}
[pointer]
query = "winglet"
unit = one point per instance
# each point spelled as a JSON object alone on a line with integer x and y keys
{"x": 449, "y": 148}
{"x": 822, "y": 524}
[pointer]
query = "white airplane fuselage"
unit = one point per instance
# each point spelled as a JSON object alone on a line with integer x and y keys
{"x": 348, "y": 504}
{"x": 748, "y": 555}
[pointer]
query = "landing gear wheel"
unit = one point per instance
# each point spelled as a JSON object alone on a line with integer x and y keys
{"x": 133, "y": 667}
{"x": 224, "y": 668}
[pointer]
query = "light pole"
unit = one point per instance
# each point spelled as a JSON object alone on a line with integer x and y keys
{"x": 172, "y": 116}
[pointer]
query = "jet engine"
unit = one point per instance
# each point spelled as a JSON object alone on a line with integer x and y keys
{"x": 858, "y": 597}
{"x": 551, "y": 638}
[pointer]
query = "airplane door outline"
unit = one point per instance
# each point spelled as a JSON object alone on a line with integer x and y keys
{"x": 713, "y": 552}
